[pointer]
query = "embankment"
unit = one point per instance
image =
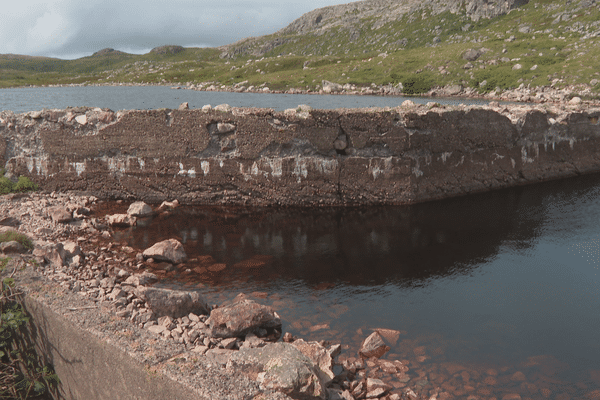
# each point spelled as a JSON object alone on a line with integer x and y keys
{"x": 402, "y": 155}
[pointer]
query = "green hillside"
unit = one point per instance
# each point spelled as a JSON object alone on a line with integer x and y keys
{"x": 552, "y": 42}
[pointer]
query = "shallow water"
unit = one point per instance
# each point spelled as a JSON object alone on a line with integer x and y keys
{"x": 505, "y": 281}
{"x": 21, "y": 100}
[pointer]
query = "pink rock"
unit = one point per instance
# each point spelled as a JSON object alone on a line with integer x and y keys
{"x": 170, "y": 250}
{"x": 373, "y": 346}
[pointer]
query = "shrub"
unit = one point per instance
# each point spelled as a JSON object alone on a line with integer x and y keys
{"x": 6, "y": 185}
{"x": 417, "y": 84}
{"x": 25, "y": 185}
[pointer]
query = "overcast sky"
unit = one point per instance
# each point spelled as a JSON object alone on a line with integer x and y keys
{"x": 78, "y": 28}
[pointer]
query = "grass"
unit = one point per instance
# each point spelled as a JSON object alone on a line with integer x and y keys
{"x": 419, "y": 48}
{"x": 10, "y": 236}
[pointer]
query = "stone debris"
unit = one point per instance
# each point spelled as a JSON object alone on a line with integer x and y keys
{"x": 175, "y": 303}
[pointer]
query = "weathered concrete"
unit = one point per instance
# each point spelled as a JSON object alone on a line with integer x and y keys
{"x": 339, "y": 157}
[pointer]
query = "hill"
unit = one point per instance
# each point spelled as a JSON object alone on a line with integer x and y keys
{"x": 490, "y": 46}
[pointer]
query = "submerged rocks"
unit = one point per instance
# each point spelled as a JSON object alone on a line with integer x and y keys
{"x": 170, "y": 250}
{"x": 173, "y": 303}
{"x": 240, "y": 317}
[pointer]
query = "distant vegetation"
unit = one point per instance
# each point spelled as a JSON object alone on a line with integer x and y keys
{"x": 554, "y": 43}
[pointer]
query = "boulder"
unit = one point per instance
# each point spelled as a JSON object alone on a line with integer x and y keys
{"x": 12, "y": 247}
{"x": 472, "y": 54}
{"x": 55, "y": 254}
{"x": 139, "y": 209}
{"x": 373, "y": 346}
{"x": 240, "y": 317}
{"x": 60, "y": 214}
{"x": 170, "y": 250}
{"x": 320, "y": 356}
{"x": 280, "y": 367}
{"x": 173, "y": 303}
{"x": 120, "y": 220}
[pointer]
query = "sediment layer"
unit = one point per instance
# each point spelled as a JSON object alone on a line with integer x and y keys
{"x": 301, "y": 156}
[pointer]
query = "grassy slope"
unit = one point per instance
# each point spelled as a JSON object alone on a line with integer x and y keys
{"x": 559, "y": 50}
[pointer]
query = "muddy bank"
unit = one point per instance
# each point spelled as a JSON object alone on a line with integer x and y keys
{"x": 301, "y": 156}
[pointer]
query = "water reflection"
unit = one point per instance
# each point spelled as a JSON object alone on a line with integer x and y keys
{"x": 491, "y": 280}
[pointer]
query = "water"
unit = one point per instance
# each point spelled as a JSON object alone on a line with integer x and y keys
{"x": 506, "y": 281}
{"x": 21, "y": 100}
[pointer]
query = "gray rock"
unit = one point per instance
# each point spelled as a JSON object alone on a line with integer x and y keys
{"x": 174, "y": 303}
{"x": 224, "y": 128}
{"x": 139, "y": 209}
{"x": 60, "y": 214}
{"x": 241, "y": 317}
{"x": 472, "y": 54}
{"x": 184, "y": 106}
{"x": 170, "y": 250}
{"x": 331, "y": 87}
{"x": 280, "y": 367}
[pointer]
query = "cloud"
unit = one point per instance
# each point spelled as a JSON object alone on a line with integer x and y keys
{"x": 72, "y": 28}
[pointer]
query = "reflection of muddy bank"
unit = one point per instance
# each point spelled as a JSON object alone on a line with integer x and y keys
{"x": 327, "y": 246}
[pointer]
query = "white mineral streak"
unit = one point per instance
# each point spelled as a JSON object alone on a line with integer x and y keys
{"x": 524, "y": 158}
{"x": 79, "y": 167}
{"x": 205, "y": 166}
{"x": 378, "y": 166}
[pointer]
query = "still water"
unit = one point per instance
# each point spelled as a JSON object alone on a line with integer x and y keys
{"x": 116, "y": 98}
{"x": 506, "y": 281}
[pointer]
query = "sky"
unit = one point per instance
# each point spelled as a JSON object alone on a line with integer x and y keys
{"x": 77, "y": 28}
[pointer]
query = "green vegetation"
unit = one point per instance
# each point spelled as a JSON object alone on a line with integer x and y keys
{"x": 24, "y": 184}
{"x": 10, "y": 236}
{"x": 22, "y": 376}
{"x": 420, "y": 50}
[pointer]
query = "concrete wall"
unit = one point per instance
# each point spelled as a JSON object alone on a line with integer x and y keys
{"x": 337, "y": 157}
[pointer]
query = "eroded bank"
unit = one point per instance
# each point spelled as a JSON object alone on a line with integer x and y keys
{"x": 301, "y": 156}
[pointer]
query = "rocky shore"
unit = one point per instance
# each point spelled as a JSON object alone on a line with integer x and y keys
{"x": 234, "y": 350}
{"x": 105, "y": 287}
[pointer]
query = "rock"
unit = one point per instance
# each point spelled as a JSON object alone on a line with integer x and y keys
{"x": 10, "y": 221}
{"x": 373, "y": 346}
{"x": 120, "y": 220}
{"x": 390, "y": 336}
{"x": 170, "y": 250}
{"x": 241, "y": 317}
{"x": 206, "y": 108}
{"x": 224, "y": 128}
{"x": 453, "y": 90}
{"x": 517, "y": 66}
{"x": 222, "y": 108}
{"x": 166, "y": 205}
{"x": 174, "y": 303}
{"x": 472, "y": 54}
{"x": 12, "y": 247}
{"x": 575, "y": 101}
{"x": 71, "y": 249}
{"x": 184, "y": 106}
{"x": 331, "y": 87}
{"x": 408, "y": 103}
{"x": 139, "y": 209}
{"x": 319, "y": 356}
{"x": 81, "y": 119}
{"x": 280, "y": 367}
{"x": 518, "y": 377}
{"x": 143, "y": 279}
{"x": 60, "y": 214}
{"x": 53, "y": 253}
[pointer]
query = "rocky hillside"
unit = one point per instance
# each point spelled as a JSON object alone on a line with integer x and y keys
{"x": 354, "y": 20}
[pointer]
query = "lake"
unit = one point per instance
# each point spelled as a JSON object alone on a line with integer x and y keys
{"x": 116, "y": 98}
{"x": 502, "y": 285}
